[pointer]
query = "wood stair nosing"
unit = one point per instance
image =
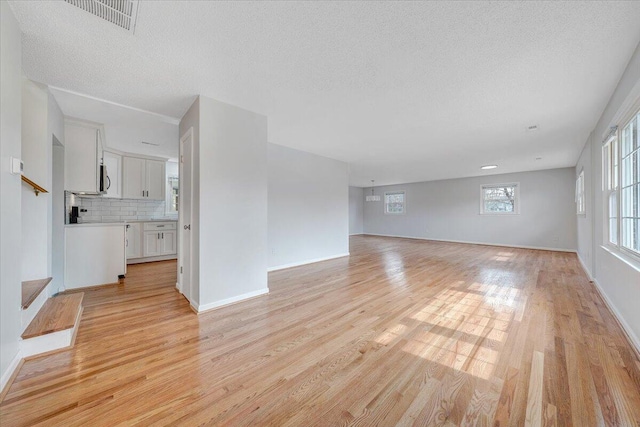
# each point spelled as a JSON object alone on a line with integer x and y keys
{"x": 31, "y": 289}
{"x": 59, "y": 313}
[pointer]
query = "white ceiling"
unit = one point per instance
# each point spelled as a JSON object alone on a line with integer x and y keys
{"x": 125, "y": 128}
{"x": 402, "y": 91}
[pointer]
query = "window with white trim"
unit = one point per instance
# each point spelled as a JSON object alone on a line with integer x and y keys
{"x": 581, "y": 205}
{"x": 630, "y": 186}
{"x": 394, "y": 202}
{"x": 621, "y": 187}
{"x": 499, "y": 199}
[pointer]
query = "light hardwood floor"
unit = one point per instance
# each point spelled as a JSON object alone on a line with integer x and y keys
{"x": 402, "y": 332}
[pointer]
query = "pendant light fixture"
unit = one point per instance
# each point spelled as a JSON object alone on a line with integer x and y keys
{"x": 372, "y": 197}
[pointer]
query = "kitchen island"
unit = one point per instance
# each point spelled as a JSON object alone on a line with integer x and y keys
{"x": 94, "y": 254}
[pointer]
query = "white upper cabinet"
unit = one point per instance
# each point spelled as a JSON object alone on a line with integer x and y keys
{"x": 133, "y": 178}
{"x": 113, "y": 162}
{"x": 155, "y": 179}
{"x": 143, "y": 178}
{"x": 81, "y": 158}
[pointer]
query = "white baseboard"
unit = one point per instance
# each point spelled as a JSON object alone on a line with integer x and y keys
{"x": 310, "y": 261}
{"x": 217, "y": 304}
{"x": 11, "y": 369}
{"x": 626, "y": 328}
{"x": 540, "y": 248}
{"x": 585, "y": 268}
{"x": 356, "y": 234}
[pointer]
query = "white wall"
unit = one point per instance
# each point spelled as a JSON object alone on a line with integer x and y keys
{"x": 449, "y": 210}
{"x": 55, "y": 214}
{"x": 10, "y": 188}
{"x": 356, "y": 210}
{"x": 618, "y": 280}
{"x": 232, "y": 191}
{"x": 36, "y": 155}
{"x": 308, "y": 207}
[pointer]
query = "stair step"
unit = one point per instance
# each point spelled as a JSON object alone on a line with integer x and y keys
{"x": 57, "y": 314}
{"x": 31, "y": 289}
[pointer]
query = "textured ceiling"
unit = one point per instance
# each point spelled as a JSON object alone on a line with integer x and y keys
{"x": 402, "y": 91}
{"x": 125, "y": 128}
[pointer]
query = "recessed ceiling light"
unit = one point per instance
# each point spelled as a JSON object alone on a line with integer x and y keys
{"x": 487, "y": 167}
{"x": 532, "y": 128}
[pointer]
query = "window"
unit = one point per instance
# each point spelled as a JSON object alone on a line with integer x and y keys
{"x": 499, "y": 199}
{"x": 630, "y": 186}
{"x": 581, "y": 206}
{"x": 621, "y": 187}
{"x": 394, "y": 203}
{"x": 172, "y": 195}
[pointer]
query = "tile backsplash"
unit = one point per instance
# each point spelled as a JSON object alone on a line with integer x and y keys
{"x": 100, "y": 209}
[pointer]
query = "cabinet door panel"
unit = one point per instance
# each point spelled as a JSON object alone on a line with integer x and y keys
{"x": 155, "y": 178}
{"x": 151, "y": 243}
{"x": 134, "y": 237}
{"x": 168, "y": 242}
{"x": 80, "y": 159}
{"x": 133, "y": 178}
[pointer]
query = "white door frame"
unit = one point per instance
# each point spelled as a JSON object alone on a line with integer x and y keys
{"x": 182, "y": 221}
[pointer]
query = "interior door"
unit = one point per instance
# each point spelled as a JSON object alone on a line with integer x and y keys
{"x": 185, "y": 194}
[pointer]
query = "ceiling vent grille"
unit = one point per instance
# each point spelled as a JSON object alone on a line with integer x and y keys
{"x": 122, "y": 13}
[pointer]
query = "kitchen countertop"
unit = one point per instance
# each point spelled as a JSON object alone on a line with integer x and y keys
{"x": 96, "y": 224}
{"x": 113, "y": 223}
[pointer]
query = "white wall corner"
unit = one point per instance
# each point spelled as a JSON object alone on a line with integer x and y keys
{"x": 236, "y": 299}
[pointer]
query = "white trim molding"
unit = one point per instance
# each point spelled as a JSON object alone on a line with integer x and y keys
{"x": 626, "y": 328}
{"x": 310, "y": 261}
{"x": 238, "y": 298}
{"x": 12, "y": 369}
{"x": 506, "y": 245}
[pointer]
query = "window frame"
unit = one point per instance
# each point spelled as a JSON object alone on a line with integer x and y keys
{"x": 612, "y": 174}
{"x": 610, "y": 186}
{"x": 581, "y": 200}
{"x": 404, "y": 202}
{"x": 168, "y": 196}
{"x": 516, "y": 198}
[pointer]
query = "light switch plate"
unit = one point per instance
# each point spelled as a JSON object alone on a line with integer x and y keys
{"x": 17, "y": 166}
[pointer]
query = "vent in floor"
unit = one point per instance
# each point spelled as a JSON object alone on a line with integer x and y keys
{"x": 122, "y": 13}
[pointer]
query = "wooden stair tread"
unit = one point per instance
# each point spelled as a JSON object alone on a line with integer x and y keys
{"x": 31, "y": 289}
{"x": 57, "y": 314}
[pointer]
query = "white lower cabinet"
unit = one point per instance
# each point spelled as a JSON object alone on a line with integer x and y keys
{"x": 152, "y": 239}
{"x": 168, "y": 242}
{"x": 133, "y": 241}
{"x": 151, "y": 243}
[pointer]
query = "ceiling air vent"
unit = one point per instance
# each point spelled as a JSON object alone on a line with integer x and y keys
{"x": 122, "y": 13}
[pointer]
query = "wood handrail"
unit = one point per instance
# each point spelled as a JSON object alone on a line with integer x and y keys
{"x": 36, "y": 188}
